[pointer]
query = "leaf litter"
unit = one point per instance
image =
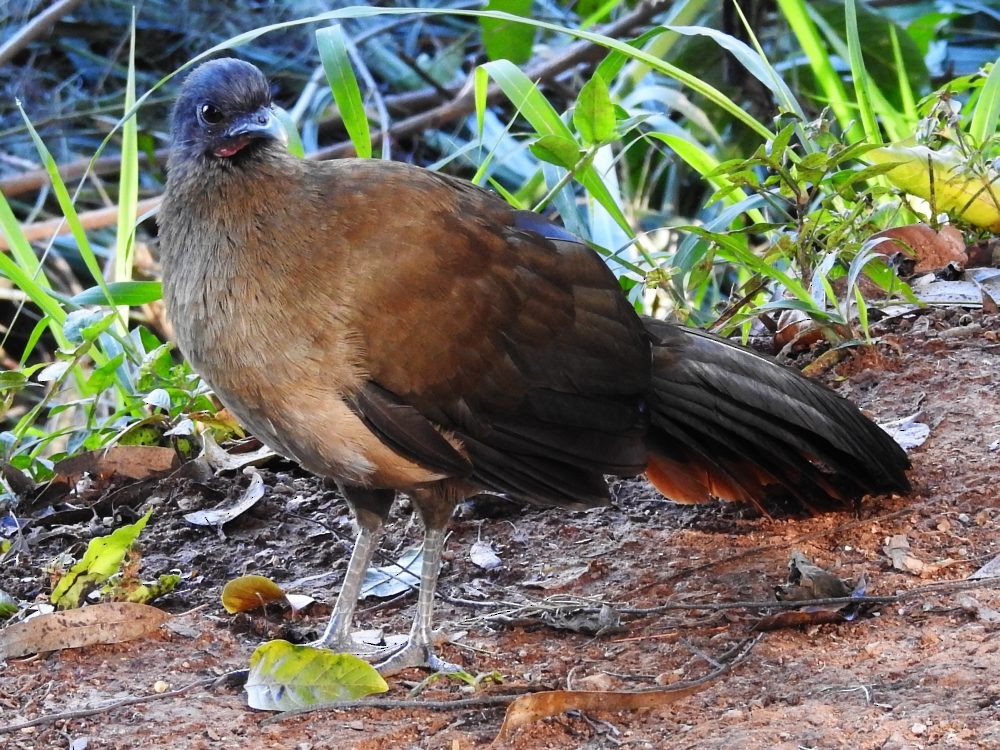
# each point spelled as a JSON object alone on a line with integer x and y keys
{"x": 923, "y": 658}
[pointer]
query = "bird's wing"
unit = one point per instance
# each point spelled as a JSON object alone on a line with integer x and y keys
{"x": 518, "y": 344}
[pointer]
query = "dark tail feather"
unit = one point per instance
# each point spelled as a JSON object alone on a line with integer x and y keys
{"x": 731, "y": 424}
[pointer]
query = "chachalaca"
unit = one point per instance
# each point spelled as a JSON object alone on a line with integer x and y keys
{"x": 401, "y": 330}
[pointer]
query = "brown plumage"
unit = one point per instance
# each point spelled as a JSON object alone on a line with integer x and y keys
{"x": 401, "y": 330}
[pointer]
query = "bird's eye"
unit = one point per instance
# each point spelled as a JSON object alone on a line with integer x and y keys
{"x": 210, "y": 114}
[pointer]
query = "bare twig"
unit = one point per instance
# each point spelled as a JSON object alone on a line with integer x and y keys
{"x": 84, "y": 712}
{"x": 35, "y": 28}
{"x": 97, "y": 219}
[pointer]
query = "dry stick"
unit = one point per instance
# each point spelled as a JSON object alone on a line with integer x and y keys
{"x": 96, "y": 219}
{"x": 35, "y": 28}
{"x": 729, "y": 660}
{"x": 461, "y": 105}
{"x": 943, "y": 587}
{"x": 85, "y": 712}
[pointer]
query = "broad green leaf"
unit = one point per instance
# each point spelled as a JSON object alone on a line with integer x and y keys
{"x": 594, "y": 115}
{"x": 510, "y": 40}
{"x": 102, "y": 559}
{"x": 129, "y": 293}
{"x": 284, "y": 677}
{"x": 555, "y": 149}
{"x": 986, "y": 117}
{"x": 333, "y": 53}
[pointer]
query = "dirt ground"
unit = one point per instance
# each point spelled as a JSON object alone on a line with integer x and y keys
{"x": 920, "y": 673}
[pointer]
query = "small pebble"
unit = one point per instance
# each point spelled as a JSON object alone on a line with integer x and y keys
{"x": 160, "y": 686}
{"x": 919, "y": 728}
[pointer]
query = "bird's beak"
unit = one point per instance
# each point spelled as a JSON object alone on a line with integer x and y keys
{"x": 259, "y": 124}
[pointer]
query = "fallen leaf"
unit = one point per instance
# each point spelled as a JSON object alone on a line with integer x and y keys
{"x": 929, "y": 250}
{"x": 989, "y": 570}
{"x": 284, "y": 676}
{"x": 932, "y": 291}
{"x": 221, "y": 460}
{"x": 129, "y": 461}
{"x": 393, "y": 579}
{"x": 907, "y": 431}
{"x": 483, "y": 556}
{"x": 110, "y": 622}
{"x": 527, "y": 709}
{"x": 807, "y": 581}
{"x": 221, "y": 516}
{"x": 102, "y": 559}
{"x": 250, "y": 592}
{"x": 897, "y": 549}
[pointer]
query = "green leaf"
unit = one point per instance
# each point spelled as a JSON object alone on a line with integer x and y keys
{"x": 333, "y": 53}
{"x": 986, "y": 117}
{"x": 285, "y": 677}
{"x": 8, "y": 605}
{"x": 555, "y": 149}
{"x": 103, "y": 377}
{"x": 102, "y": 559}
{"x": 594, "y": 115}
{"x": 505, "y": 39}
{"x": 130, "y": 293}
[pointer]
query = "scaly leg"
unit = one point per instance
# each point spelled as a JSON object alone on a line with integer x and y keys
{"x": 419, "y": 649}
{"x": 370, "y": 508}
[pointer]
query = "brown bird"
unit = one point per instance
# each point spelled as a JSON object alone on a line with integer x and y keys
{"x": 405, "y": 331}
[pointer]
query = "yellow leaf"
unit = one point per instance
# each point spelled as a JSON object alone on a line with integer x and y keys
{"x": 944, "y": 175}
{"x": 250, "y": 592}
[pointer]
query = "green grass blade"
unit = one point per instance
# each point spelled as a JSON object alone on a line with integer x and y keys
{"x": 862, "y": 81}
{"x": 986, "y": 117}
{"x": 796, "y": 13}
{"x": 336, "y": 59}
{"x": 128, "y": 185}
{"x": 905, "y": 89}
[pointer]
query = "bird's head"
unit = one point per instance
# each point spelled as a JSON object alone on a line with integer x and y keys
{"x": 224, "y": 113}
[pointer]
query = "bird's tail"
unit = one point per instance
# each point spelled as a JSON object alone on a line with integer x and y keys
{"x": 734, "y": 425}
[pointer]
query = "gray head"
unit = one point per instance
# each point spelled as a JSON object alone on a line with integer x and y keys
{"x": 223, "y": 113}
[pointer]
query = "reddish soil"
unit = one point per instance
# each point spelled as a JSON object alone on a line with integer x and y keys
{"x": 921, "y": 673}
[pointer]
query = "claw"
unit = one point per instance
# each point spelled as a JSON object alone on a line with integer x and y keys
{"x": 414, "y": 654}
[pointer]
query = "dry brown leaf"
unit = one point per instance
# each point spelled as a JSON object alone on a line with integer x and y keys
{"x": 111, "y": 622}
{"x": 897, "y": 549}
{"x": 129, "y": 461}
{"x": 929, "y": 249}
{"x": 532, "y": 707}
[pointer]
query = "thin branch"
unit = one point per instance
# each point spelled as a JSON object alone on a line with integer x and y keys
{"x": 96, "y": 219}
{"x": 35, "y": 28}
{"x": 85, "y": 712}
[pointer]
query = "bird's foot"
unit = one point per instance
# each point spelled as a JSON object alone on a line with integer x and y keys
{"x": 415, "y": 654}
{"x": 367, "y": 644}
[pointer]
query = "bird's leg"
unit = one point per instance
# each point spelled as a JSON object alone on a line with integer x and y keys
{"x": 435, "y": 510}
{"x": 370, "y": 508}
